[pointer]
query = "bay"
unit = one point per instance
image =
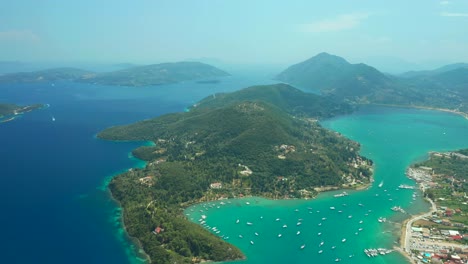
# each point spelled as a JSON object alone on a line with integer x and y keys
{"x": 328, "y": 229}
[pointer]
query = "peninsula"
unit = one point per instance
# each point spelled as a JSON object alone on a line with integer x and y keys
{"x": 260, "y": 141}
{"x": 9, "y": 111}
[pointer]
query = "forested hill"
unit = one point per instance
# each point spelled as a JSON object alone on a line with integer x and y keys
{"x": 11, "y": 109}
{"x": 336, "y": 77}
{"x": 244, "y": 147}
{"x": 157, "y": 74}
{"x": 286, "y": 97}
{"x": 445, "y": 87}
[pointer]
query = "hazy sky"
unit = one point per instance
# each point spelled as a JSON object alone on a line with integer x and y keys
{"x": 234, "y": 31}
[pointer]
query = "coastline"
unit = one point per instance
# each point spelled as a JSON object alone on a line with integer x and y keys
{"x": 463, "y": 114}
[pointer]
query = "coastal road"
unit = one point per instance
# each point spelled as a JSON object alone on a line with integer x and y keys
{"x": 409, "y": 224}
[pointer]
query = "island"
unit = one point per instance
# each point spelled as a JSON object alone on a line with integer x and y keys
{"x": 259, "y": 141}
{"x": 442, "y": 89}
{"x": 8, "y": 112}
{"x": 48, "y": 75}
{"x": 148, "y": 75}
{"x": 156, "y": 74}
{"x": 442, "y": 233}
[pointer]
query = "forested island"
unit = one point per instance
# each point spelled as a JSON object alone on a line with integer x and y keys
{"x": 155, "y": 74}
{"x": 260, "y": 141}
{"x": 445, "y": 87}
{"x": 13, "y": 109}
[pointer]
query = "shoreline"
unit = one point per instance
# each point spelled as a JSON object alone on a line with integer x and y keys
{"x": 463, "y": 114}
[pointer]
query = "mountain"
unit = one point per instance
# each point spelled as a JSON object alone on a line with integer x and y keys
{"x": 228, "y": 146}
{"x": 156, "y": 74}
{"x": 442, "y": 69}
{"x": 55, "y": 74}
{"x": 335, "y": 77}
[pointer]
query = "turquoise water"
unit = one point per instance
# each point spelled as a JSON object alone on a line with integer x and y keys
{"x": 393, "y": 138}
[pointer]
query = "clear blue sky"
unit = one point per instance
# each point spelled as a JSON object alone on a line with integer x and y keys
{"x": 234, "y": 31}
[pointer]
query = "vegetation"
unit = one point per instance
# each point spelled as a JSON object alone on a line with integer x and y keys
{"x": 44, "y": 76}
{"x": 156, "y": 74}
{"x": 450, "y": 173}
{"x": 10, "y": 109}
{"x": 243, "y": 146}
{"x": 359, "y": 83}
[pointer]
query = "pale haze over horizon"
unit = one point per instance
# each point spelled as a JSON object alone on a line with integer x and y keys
{"x": 392, "y": 36}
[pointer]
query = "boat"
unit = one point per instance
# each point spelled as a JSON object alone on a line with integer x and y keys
{"x": 277, "y": 219}
{"x": 319, "y": 234}
{"x": 405, "y": 186}
{"x": 350, "y": 216}
{"x": 343, "y": 240}
{"x": 333, "y": 247}
{"x": 337, "y": 260}
{"x": 303, "y": 246}
{"x": 382, "y": 219}
{"x": 251, "y": 242}
{"x": 237, "y": 221}
{"x": 53, "y": 118}
{"x": 249, "y": 223}
{"x": 320, "y": 251}
{"x": 240, "y": 236}
{"x": 203, "y": 216}
{"x": 280, "y": 235}
{"x": 247, "y": 203}
{"x": 381, "y": 184}
{"x": 360, "y": 229}
{"x": 332, "y": 208}
{"x": 298, "y": 223}
{"x": 340, "y": 194}
{"x": 284, "y": 226}
{"x": 360, "y": 222}
{"x": 321, "y": 244}
{"x": 324, "y": 218}
{"x": 298, "y": 232}
{"x": 256, "y": 233}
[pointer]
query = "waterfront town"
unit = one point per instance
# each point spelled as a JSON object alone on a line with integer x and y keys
{"x": 438, "y": 236}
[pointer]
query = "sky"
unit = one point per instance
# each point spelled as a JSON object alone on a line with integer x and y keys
{"x": 386, "y": 34}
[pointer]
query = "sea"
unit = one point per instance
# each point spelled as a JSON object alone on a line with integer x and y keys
{"x": 54, "y": 172}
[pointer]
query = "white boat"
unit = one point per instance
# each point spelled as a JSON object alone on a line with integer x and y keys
{"x": 320, "y": 251}
{"x": 343, "y": 240}
{"x": 298, "y": 223}
{"x": 240, "y": 236}
{"x": 237, "y": 221}
{"x": 321, "y": 244}
{"x": 284, "y": 226}
{"x": 249, "y": 223}
{"x": 298, "y": 232}
{"x": 337, "y": 260}
{"x": 303, "y": 246}
{"x": 277, "y": 219}
{"x": 319, "y": 234}
{"x": 251, "y": 242}
{"x": 332, "y": 208}
{"x": 247, "y": 203}
{"x": 280, "y": 235}
{"x": 380, "y": 184}
{"x": 256, "y": 233}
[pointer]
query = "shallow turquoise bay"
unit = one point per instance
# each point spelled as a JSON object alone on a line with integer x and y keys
{"x": 393, "y": 138}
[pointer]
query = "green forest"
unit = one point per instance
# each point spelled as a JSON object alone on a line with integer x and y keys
{"x": 248, "y": 147}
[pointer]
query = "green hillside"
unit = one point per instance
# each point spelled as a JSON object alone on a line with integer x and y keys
{"x": 247, "y": 145}
{"x": 44, "y": 76}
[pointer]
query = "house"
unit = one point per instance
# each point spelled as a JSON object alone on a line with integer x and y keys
{"x": 216, "y": 185}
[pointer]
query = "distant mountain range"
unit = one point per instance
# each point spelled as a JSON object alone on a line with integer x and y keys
{"x": 155, "y": 74}
{"x": 334, "y": 77}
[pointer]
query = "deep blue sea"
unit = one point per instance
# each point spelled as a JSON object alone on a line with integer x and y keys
{"x": 55, "y": 207}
